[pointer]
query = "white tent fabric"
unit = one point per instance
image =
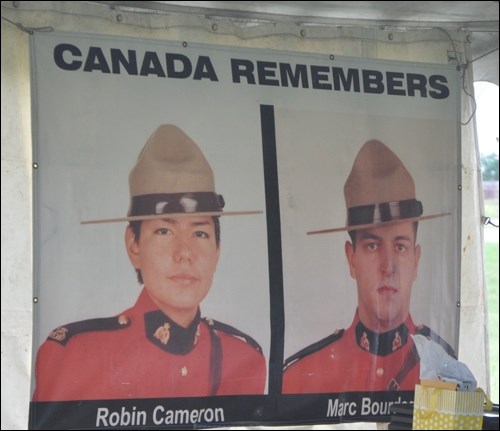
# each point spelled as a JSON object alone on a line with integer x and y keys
{"x": 478, "y": 18}
{"x": 367, "y": 29}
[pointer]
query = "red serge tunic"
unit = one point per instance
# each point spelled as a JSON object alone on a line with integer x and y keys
{"x": 358, "y": 359}
{"x": 143, "y": 354}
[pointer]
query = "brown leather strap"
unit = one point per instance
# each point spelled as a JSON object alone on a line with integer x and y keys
{"x": 215, "y": 362}
{"x": 410, "y": 361}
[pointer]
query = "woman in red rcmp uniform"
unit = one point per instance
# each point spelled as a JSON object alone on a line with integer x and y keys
{"x": 161, "y": 346}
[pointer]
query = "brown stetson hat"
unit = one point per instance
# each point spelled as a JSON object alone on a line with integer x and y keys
{"x": 379, "y": 191}
{"x": 172, "y": 177}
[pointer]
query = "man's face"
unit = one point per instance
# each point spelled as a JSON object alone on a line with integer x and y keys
{"x": 384, "y": 264}
{"x": 177, "y": 257}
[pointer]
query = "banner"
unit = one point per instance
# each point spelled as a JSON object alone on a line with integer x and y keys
{"x": 228, "y": 236}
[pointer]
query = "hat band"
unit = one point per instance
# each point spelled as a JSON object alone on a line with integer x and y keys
{"x": 384, "y": 212}
{"x": 174, "y": 203}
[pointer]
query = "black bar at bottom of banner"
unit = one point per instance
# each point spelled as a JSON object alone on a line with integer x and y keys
{"x": 223, "y": 411}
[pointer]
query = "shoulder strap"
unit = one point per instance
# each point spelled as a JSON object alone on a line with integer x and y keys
{"x": 313, "y": 348}
{"x": 410, "y": 361}
{"x": 63, "y": 334}
{"x": 215, "y": 362}
{"x": 429, "y": 333}
{"x": 412, "y": 358}
{"x": 219, "y": 326}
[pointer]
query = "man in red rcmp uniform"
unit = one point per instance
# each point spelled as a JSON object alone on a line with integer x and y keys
{"x": 161, "y": 346}
{"x": 376, "y": 353}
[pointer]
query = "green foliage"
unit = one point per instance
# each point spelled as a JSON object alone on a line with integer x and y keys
{"x": 491, "y": 264}
{"x": 491, "y": 208}
{"x": 491, "y": 254}
{"x": 489, "y": 167}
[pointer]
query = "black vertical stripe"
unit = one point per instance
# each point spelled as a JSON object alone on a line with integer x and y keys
{"x": 274, "y": 247}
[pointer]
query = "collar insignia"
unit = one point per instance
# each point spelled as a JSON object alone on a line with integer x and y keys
{"x": 163, "y": 333}
{"x": 396, "y": 342}
{"x": 381, "y": 344}
{"x": 364, "y": 342}
{"x": 59, "y": 334}
{"x": 197, "y": 335}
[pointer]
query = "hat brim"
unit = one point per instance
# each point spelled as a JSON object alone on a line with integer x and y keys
{"x": 375, "y": 225}
{"x": 165, "y": 216}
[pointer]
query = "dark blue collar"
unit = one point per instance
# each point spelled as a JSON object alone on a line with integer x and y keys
{"x": 164, "y": 333}
{"x": 381, "y": 344}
